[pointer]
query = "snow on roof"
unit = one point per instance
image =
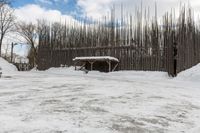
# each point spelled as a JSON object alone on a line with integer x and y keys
{"x": 97, "y": 58}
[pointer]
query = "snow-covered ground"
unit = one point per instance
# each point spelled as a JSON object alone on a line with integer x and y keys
{"x": 67, "y": 101}
{"x": 6, "y": 67}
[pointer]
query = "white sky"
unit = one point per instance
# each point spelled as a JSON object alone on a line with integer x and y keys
{"x": 98, "y": 8}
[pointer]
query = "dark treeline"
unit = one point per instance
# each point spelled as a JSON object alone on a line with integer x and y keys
{"x": 139, "y": 41}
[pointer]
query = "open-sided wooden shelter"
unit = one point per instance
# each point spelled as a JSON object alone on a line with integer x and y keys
{"x": 98, "y": 63}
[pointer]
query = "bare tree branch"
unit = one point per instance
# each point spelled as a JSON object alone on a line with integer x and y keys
{"x": 29, "y": 33}
{"x": 6, "y": 20}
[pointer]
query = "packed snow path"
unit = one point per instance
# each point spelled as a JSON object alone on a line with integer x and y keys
{"x": 64, "y": 101}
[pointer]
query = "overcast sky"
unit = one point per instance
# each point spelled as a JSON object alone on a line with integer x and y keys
{"x": 55, "y": 10}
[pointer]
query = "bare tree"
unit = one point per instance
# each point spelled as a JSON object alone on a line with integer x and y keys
{"x": 29, "y": 33}
{"x": 4, "y": 2}
{"x": 6, "y": 20}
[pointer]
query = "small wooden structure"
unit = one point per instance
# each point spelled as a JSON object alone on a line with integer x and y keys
{"x": 22, "y": 66}
{"x": 99, "y": 63}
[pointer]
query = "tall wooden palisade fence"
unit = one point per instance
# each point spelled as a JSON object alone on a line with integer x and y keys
{"x": 140, "y": 43}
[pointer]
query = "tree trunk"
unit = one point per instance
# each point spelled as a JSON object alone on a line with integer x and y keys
{"x": 1, "y": 40}
{"x": 35, "y": 56}
{"x": 32, "y": 57}
{"x": 0, "y": 49}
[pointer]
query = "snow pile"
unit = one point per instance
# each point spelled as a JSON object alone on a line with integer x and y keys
{"x": 6, "y": 67}
{"x": 63, "y": 70}
{"x": 192, "y": 74}
{"x": 117, "y": 75}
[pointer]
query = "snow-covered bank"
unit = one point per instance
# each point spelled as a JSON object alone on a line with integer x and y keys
{"x": 192, "y": 74}
{"x": 6, "y": 67}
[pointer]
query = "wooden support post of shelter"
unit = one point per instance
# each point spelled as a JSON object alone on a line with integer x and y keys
{"x": 109, "y": 65}
{"x": 115, "y": 67}
{"x": 91, "y": 65}
{"x": 99, "y": 63}
{"x": 81, "y": 67}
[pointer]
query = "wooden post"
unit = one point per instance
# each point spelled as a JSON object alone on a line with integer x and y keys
{"x": 75, "y": 65}
{"x": 91, "y": 64}
{"x": 83, "y": 66}
{"x": 115, "y": 67}
{"x": 109, "y": 65}
{"x": 11, "y": 57}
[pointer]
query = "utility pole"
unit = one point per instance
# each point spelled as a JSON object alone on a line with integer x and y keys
{"x": 12, "y": 48}
{"x": 11, "y": 57}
